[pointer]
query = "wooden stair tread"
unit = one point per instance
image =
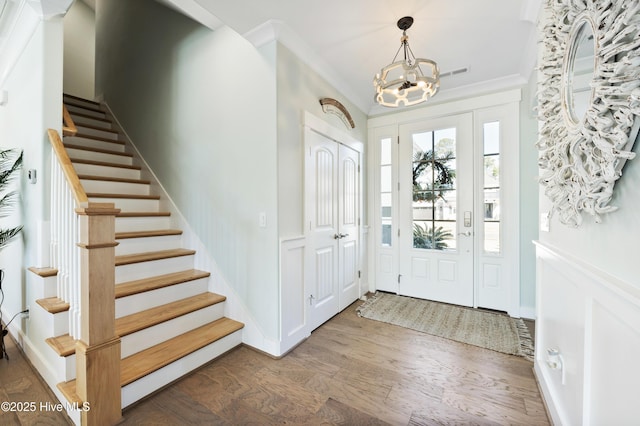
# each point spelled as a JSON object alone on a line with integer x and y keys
{"x": 68, "y": 390}
{"x": 44, "y": 272}
{"x": 145, "y": 362}
{"x": 98, "y": 138}
{"x": 113, "y": 179}
{"x": 74, "y": 103}
{"x": 91, "y": 117}
{"x": 78, "y": 98}
{"x": 128, "y": 196}
{"x": 128, "y": 259}
{"x": 143, "y": 234}
{"x": 105, "y": 163}
{"x": 150, "y": 317}
{"x": 64, "y": 345}
{"x": 102, "y": 129}
{"x": 53, "y": 305}
{"x": 97, "y": 150}
{"x": 142, "y": 214}
{"x": 159, "y": 281}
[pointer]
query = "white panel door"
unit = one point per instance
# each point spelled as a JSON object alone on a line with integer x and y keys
{"x": 436, "y": 210}
{"x": 348, "y": 216}
{"x": 332, "y": 204}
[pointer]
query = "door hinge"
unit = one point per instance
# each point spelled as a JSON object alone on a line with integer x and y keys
{"x": 359, "y": 274}
{"x": 398, "y": 232}
{"x": 358, "y": 168}
{"x": 399, "y": 275}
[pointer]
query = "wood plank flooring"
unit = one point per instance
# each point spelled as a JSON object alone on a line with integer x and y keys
{"x": 351, "y": 371}
{"x": 19, "y": 384}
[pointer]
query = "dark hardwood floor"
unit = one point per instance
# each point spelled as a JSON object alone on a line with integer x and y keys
{"x": 351, "y": 371}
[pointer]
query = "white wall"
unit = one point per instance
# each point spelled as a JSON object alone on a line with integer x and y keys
{"x": 300, "y": 89}
{"x": 79, "y": 51}
{"x": 528, "y": 196}
{"x": 201, "y": 108}
{"x": 589, "y": 309}
{"x": 34, "y": 86}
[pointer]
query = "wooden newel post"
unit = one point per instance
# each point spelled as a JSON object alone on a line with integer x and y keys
{"x": 98, "y": 349}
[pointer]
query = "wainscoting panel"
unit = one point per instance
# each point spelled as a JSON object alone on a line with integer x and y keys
{"x": 593, "y": 320}
{"x": 293, "y": 318}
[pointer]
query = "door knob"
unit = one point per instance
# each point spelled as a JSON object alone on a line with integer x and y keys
{"x": 465, "y": 234}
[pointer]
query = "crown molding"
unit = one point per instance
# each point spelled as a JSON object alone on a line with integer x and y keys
{"x": 275, "y": 30}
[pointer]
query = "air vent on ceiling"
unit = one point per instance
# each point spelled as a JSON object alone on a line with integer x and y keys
{"x": 454, "y": 72}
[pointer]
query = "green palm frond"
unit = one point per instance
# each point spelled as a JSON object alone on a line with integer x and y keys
{"x": 7, "y": 234}
{"x": 8, "y": 166}
{"x": 430, "y": 238}
{"x": 10, "y": 163}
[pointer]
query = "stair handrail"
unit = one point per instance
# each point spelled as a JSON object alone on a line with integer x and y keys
{"x": 80, "y": 196}
{"x": 83, "y": 240}
{"x": 69, "y": 127}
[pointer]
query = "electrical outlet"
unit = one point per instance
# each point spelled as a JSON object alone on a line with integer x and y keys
{"x": 26, "y": 314}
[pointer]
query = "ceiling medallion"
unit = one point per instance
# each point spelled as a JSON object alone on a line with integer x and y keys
{"x": 409, "y": 81}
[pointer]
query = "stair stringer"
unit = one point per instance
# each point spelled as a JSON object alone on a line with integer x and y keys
{"x": 252, "y": 333}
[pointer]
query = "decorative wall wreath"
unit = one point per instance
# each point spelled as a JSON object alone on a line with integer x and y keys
{"x": 581, "y": 158}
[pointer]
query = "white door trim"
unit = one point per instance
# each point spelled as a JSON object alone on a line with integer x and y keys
{"x": 389, "y": 124}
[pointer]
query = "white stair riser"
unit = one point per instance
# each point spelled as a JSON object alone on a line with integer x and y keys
{"x": 144, "y": 386}
{"x": 94, "y": 143}
{"x": 130, "y": 205}
{"x": 137, "y": 271}
{"x": 147, "y": 244}
{"x": 110, "y": 187}
{"x": 145, "y": 223}
{"x": 161, "y": 296}
{"x": 99, "y": 156}
{"x": 65, "y": 366}
{"x": 75, "y": 109}
{"x": 119, "y": 172}
{"x": 51, "y": 324}
{"x": 47, "y": 287}
{"x": 107, "y": 134}
{"x": 152, "y": 336}
{"x": 78, "y": 120}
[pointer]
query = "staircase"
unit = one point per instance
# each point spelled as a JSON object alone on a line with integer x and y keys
{"x": 167, "y": 320}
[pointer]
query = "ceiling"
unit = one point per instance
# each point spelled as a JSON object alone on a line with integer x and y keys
{"x": 348, "y": 41}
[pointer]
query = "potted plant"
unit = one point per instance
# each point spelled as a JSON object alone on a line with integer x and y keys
{"x": 10, "y": 163}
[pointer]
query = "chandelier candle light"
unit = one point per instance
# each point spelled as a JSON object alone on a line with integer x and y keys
{"x": 409, "y": 81}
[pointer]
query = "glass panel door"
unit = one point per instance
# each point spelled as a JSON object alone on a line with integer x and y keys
{"x": 436, "y": 209}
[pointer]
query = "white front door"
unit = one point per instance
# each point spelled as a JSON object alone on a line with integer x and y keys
{"x": 436, "y": 210}
{"x": 332, "y": 203}
{"x": 446, "y": 208}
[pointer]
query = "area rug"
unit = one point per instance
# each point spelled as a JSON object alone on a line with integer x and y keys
{"x": 488, "y": 330}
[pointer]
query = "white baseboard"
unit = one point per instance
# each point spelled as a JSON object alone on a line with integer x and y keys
{"x": 527, "y": 312}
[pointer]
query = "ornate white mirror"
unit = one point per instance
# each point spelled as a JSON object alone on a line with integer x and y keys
{"x": 578, "y": 70}
{"x": 588, "y": 102}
